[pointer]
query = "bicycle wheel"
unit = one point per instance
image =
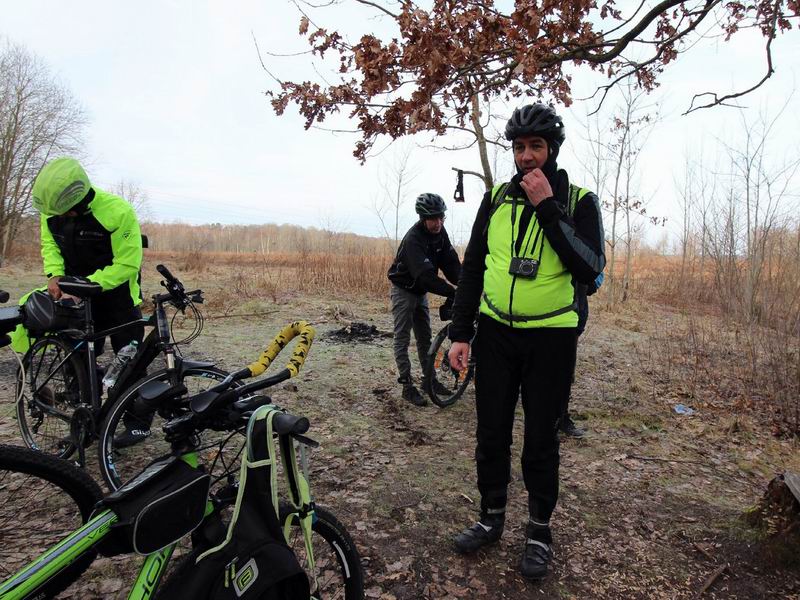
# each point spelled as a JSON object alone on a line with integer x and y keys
{"x": 54, "y": 385}
{"x": 42, "y": 499}
{"x": 338, "y": 571}
{"x": 119, "y": 462}
{"x": 438, "y": 369}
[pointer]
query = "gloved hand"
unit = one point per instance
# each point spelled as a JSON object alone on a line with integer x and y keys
{"x": 446, "y": 310}
{"x": 595, "y": 285}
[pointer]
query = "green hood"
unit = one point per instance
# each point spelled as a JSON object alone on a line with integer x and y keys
{"x": 60, "y": 185}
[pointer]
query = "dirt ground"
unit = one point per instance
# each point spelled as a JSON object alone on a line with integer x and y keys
{"x": 651, "y": 500}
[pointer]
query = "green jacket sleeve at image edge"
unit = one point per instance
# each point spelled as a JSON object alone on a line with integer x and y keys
{"x": 51, "y": 255}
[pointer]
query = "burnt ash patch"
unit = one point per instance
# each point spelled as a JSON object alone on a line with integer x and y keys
{"x": 357, "y": 332}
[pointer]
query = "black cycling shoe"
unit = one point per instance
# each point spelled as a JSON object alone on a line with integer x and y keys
{"x": 439, "y": 388}
{"x": 131, "y": 437}
{"x": 484, "y": 532}
{"x": 568, "y": 428}
{"x": 411, "y": 393}
{"x": 535, "y": 558}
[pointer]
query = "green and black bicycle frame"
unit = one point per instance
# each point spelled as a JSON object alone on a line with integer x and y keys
{"x": 28, "y": 582}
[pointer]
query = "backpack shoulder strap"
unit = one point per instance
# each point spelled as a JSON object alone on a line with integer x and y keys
{"x": 498, "y": 195}
{"x": 575, "y": 194}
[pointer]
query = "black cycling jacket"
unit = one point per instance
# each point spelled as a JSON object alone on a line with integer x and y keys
{"x": 419, "y": 257}
{"x": 102, "y": 242}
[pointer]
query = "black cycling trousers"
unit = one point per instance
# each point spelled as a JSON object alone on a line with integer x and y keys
{"x": 106, "y": 317}
{"x": 539, "y": 362}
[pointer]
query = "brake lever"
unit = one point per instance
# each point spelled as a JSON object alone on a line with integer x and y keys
{"x": 305, "y": 440}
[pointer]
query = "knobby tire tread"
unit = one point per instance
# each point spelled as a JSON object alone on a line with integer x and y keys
{"x": 76, "y": 483}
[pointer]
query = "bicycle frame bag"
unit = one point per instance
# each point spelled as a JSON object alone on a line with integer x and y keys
{"x": 42, "y": 314}
{"x": 162, "y": 504}
{"x": 253, "y": 561}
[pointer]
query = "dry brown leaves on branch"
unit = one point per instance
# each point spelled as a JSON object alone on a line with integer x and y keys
{"x": 442, "y": 56}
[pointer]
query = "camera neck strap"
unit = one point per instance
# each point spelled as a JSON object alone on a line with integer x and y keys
{"x": 529, "y": 230}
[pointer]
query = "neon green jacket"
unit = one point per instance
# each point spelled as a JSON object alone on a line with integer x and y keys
{"x": 103, "y": 243}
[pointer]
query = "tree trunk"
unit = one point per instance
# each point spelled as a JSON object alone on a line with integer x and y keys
{"x": 475, "y": 116}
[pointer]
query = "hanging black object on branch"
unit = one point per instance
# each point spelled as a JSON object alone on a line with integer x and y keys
{"x": 458, "y": 195}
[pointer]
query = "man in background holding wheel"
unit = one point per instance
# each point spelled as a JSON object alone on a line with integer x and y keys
{"x": 533, "y": 239}
{"x": 425, "y": 249}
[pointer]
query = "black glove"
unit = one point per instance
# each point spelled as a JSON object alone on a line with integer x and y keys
{"x": 446, "y": 310}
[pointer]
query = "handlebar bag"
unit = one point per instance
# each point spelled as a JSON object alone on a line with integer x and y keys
{"x": 162, "y": 504}
{"x": 42, "y": 314}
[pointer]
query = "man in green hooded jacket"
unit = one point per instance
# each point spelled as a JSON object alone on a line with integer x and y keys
{"x": 90, "y": 233}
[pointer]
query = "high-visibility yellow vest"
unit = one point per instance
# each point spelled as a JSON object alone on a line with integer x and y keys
{"x": 546, "y": 301}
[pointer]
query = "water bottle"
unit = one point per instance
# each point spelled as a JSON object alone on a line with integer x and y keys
{"x": 119, "y": 362}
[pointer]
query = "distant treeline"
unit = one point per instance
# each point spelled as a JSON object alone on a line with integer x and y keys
{"x": 264, "y": 239}
{"x": 216, "y": 237}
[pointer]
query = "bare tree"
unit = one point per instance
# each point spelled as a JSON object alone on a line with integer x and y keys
{"x": 134, "y": 194}
{"x": 39, "y": 119}
{"x": 332, "y": 228}
{"x": 750, "y": 233}
{"x": 594, "y": 155}
{"x": 483, "y": 135}
{"x": 696, "y": 187}
{"x": 762, "y": 189}
{"x": 613, "y": 165}
{"x": 393, "y": 195}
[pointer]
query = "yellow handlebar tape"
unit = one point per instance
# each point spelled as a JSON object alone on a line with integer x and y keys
{"x": 299, "y": 329}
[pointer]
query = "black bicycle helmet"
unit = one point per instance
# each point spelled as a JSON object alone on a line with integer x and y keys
{"x": 430, "y": 205}
{"x": 536, "y": 119}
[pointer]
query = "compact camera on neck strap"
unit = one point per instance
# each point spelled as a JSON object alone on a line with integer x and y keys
{"x": 523, "y": 267}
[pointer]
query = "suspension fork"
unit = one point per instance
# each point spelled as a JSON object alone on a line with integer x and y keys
{"x": 164, "y": 337}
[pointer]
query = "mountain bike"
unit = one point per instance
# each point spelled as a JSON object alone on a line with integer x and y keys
{"x": 298, "y": 545}
{"x": 437, "y": 368}
{"x": 58, "y": 395}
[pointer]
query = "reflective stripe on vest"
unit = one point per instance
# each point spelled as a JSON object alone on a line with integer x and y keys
{"x": 548, "y": 300}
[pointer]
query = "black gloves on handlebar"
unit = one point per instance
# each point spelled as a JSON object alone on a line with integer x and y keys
{"x": 446, "y": 310}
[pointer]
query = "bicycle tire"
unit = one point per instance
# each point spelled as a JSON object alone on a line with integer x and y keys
{"x": 64, "y": 387}
{"x": 329, "y": 539}
{"x": 117, "y": 465}
{"x": 72, "y": 495}
{"x": 437, "y": 368}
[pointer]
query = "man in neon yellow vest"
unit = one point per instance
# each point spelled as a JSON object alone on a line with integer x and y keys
{"x": 533, "y": 240}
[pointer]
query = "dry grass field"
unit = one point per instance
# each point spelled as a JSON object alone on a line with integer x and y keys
{"x": 651, "y": 500}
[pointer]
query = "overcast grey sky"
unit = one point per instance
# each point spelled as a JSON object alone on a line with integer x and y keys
{"x": 174, "y": 95}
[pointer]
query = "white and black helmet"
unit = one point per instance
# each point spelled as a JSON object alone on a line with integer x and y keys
{"x": 430, "y": 205}
{"x": 536, "y": 119}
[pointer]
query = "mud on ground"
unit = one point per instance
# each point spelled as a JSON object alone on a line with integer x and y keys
{"x": 650, "y": 500}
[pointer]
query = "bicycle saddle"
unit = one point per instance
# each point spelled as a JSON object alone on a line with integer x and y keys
{"x": 80, "y": 287}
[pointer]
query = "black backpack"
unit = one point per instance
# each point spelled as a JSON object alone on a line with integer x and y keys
{"x": 251, "y": 559}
